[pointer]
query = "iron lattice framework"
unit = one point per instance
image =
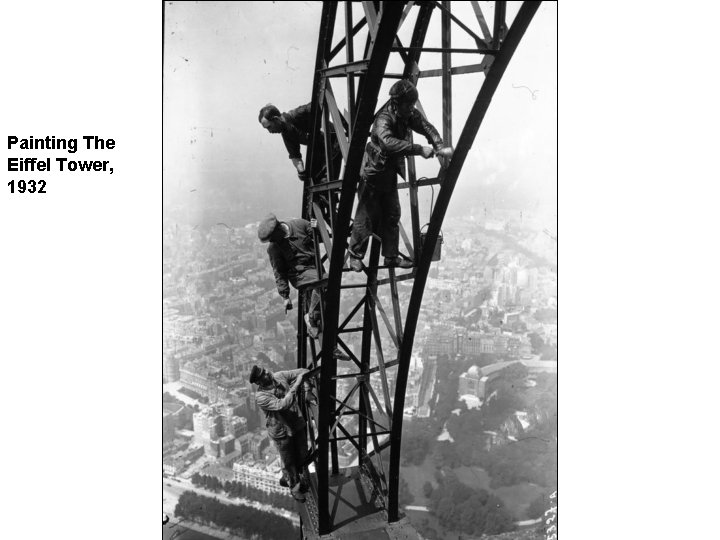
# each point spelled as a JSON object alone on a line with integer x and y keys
{"x": 355, "y": 431}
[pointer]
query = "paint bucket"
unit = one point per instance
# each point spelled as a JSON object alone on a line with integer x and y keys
{"x": 438, "y": 245}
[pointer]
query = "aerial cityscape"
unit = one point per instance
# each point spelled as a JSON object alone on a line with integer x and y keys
{"x": 481, "y": 395}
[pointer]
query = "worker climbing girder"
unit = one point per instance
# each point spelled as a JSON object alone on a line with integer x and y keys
{"x": 361, "y": 405}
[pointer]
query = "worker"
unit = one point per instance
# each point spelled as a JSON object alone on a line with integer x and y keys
{"x": 378, "y": 207}
{"x": 295, "y": 126}
{"x": 292, "y": 256}
{"x": 278, "y": 397}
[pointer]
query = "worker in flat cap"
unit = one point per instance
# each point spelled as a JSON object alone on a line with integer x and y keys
{"x": 295, "y": 126}
{"x": 279, "y": 396}
{"x": 292, "y": 256}
{"x": 390, "y": 142}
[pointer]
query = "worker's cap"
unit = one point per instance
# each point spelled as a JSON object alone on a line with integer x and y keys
{"x": 404, "y": 90}
{"x": 255, "y": 374}
{"x": 267, "y": 227}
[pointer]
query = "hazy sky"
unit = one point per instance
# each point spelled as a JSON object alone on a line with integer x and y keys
{"x": 224, "y": 60}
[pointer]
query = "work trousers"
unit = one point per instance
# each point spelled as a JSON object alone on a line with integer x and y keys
{"x": 311, "y": 297}
{"x": 378, "y": 212}
{"x": 292, "y": 452}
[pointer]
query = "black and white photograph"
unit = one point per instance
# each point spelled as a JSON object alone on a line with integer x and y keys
{"x": 360, "y": 333}
{"x": 339, "y": 231}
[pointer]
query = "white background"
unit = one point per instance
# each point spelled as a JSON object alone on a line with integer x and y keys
{"x": 638, "y": 227}
{"x": 81, "y": 275}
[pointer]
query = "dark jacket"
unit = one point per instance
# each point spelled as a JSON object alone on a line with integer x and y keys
{"x": 292, "y": 256}
{"x": 389, "y": 144}
{"x": 282, "y": 415}
{"x": 296, "y": 131}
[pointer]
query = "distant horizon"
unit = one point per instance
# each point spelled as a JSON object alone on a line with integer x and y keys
{"x": 220, "y": 67}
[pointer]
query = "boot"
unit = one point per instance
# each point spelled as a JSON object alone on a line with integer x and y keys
{"x": 313, "y": 330}
{"x": 356, "y": 264}
{"x": 398, "y": 262}
{"x": 297, "y": 493}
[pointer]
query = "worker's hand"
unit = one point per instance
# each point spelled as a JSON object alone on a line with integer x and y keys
{"x": 427, "y": 152}
{"x": 313, "y": 223}
{"x": 444, "y": 155}
{"x": 288, "y": 305}
{"x": 302, "y": 176}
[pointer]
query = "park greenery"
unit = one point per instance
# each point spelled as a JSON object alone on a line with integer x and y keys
{"x": 238, "y": 490}
{"x": 462, "y": 508}
{"x": 531, "y": 458}
{"x": 405, "y": 496}
{"x": 541, "y": 504}
{"x": 243, "y": 521}
{"x": 547, "y": 351}
{"x": 169, "y": 398}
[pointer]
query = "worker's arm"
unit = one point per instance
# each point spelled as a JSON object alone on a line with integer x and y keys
{"x": 268, "y": 402}
{"x": 293, "y": 137}
{"x": 394, "y": 146}
{"x": 297, "y": 377}
{"x": 294, "y": 377}
{"x": 280, "y": 271}
{"x": 290, "y": 138}
{"x": 420, "y": 124}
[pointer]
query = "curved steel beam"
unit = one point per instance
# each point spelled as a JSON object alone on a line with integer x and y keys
{"x": 422, "y": 22}
{"x": 327, "y": 20}
{"x": 448, "y": 179}
{"x": 367, "y": 100}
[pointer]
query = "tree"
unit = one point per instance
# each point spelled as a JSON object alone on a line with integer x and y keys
{"x": 427, "y": 489}
{"x": 461, "y": 508}
{"x": 169, "y": 398}
{"x": 416, "y": 442}
{"x": 445, "y": 455}
{"x": 405, "y": 496}
{"x": 515, "y": 373}
{"x": 243, "y": 520}
{"x": 498, "y": 519}
{"x": 536, "y": 342}
{"x": 538, "y": 506}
